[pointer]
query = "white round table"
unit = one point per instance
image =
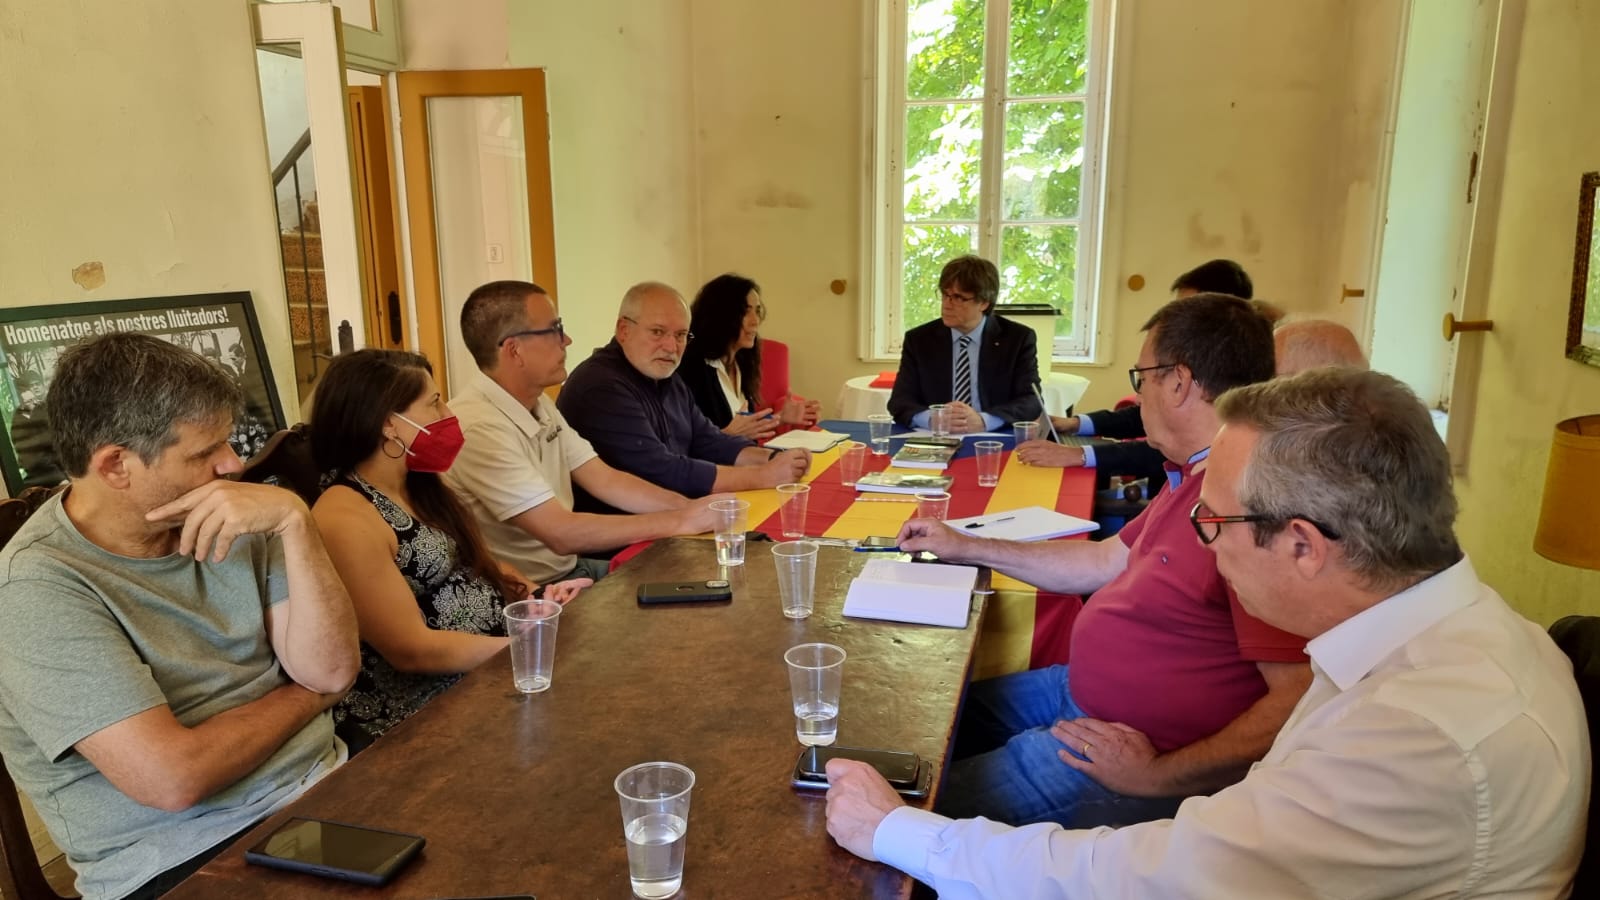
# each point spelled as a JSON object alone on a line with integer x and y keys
{"x": 859, "y": 399}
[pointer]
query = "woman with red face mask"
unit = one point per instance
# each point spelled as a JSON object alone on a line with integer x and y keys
{"x": 428, "y": 596}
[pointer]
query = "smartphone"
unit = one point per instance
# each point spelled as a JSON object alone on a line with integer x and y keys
{"x": 368, "y": 856}
{"x": 684, "y": 592}
{"x": 907, "y": 773}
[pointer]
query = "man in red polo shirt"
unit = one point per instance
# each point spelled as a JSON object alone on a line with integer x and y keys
{"x": 1173, "y": 690}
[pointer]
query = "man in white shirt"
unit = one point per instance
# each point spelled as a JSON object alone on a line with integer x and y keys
{"x": 1441, "y": 749}
{"x": 516, "y": 470}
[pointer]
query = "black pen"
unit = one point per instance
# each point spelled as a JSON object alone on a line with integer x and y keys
{"x": 990, "y": 522}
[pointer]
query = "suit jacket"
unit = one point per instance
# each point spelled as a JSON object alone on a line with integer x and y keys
{"x": 1126, "y": 457}
{"x": 707, "y": 390}
{"x": 1121, "y": 423}
{"x": 1008, "y": 367}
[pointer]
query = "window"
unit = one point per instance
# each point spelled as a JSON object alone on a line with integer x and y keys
{"x": 989, "y": 127}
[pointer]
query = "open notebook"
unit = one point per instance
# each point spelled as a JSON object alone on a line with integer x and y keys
{"x": 815, "y": 441}
{"x": 912, "y": 592}
{"x": 1031, "y": 523}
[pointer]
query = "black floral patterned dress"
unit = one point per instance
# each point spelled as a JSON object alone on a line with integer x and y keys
{"x": 451, "y": 597}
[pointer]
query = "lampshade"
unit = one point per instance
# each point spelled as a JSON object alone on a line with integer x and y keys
{"x": 1569, "y": 517}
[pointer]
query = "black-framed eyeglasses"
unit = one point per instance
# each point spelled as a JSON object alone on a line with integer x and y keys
{"x": 956, "y": 297}
{"x": 1136, "y": 374}
{"x": 555, "y": 329}
{"x": 657, "y": 333}
{"x": 1207, "y": 527}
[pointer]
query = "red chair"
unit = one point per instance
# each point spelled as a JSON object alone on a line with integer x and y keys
{"x": 774, "y": 374}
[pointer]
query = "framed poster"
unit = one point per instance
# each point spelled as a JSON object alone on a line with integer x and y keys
{"x": 221, "y": 327}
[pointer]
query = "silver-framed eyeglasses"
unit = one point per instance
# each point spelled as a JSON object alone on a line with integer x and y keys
{"x": 657, "y": 333}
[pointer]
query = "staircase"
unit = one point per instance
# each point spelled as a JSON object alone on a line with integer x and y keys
{"x": 306, "y": 283}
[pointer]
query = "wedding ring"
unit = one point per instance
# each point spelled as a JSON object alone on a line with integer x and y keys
{"x": 1086, "y": 750}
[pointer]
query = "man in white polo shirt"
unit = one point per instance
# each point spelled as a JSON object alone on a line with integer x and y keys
{"x": 520, "y": 459}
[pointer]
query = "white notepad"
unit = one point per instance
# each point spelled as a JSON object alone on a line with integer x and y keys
{"x": 1031, "y": 523}
{"x": 920, "y": 593}
{"x": 815, "y": 441}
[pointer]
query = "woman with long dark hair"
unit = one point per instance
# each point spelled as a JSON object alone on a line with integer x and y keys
{"x": 428, "y": 596}
{"x": 722, "y": 364}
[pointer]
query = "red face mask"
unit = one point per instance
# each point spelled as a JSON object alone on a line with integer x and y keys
{"x": 435, "y": 446}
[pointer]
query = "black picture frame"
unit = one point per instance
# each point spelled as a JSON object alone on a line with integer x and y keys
{"x": 221, "y": 326}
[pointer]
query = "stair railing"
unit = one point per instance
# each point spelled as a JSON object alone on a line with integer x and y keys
{"x": 289, "y": 167}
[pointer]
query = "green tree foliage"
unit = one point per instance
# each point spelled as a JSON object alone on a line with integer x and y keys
{"x": 1047, "y": 56}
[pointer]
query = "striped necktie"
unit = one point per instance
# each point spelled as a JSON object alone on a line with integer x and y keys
{"x": 964, "y": 370}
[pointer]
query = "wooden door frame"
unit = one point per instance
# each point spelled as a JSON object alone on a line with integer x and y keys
{"x": 379, "y": 219}
{"x": 414, "y": 91}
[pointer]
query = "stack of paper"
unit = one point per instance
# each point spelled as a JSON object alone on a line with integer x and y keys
{"x": 1031, "y": 523}
{"x": 912, "y": 592}
{"x": 815, "y": 441}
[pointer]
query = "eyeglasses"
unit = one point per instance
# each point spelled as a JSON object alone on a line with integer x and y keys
{"x": 1201, "y": 520}
{"x": 1136, "y": 374}
{"x": 957, "y": 297}
{"x": 657, "y": 333}
{"x": 555, "y": 329}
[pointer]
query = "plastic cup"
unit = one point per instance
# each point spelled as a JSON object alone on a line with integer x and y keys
{"x": 733, "y": 520}
{"x": 797, "y": 576}
{"x": 852, "y": 456}
{"x": 531, "y": 625}
{"x": 1025, "y": 431}
{"x": 939, "y": 419}
{"x": 792, "y": 513}
{"x": 933, "y": 505}
{"x": 655, "y": 824}
{"x": 816, "y": 673}
{"x": 879, "y": 425}
{"x": 988, "y": 462}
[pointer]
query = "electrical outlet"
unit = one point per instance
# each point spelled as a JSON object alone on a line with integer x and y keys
{"x": 497, "y": 253}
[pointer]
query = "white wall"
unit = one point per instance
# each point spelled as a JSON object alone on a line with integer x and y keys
{"x": 134, "y": 138}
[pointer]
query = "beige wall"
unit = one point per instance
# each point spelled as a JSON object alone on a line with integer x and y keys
{"x": 621, "y": 150}
{"x": 134, "y": 138}
{"x": 1527, "y": 386}
{"x": 1221, "y": 147}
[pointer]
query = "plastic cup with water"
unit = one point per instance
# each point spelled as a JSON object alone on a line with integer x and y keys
{"x": 816, "y": 673}
{"x": 531, "y": 625}
{"x": 939, "y": 419}
{"x": 852, "y": 456}
{"x": 797, "y": 576}
{"x": 879, "y": 426}
{"x": 933, "y": 505}
{"x": 793, "y": 500}
{"x": 988, "y": 462}
{"x": 1025, "y": 431}
{"x": 655, "y": 824}
{"x": 733, "y": 520}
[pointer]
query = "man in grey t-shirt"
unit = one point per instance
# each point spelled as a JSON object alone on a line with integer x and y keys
{"x": 170, "y": 641}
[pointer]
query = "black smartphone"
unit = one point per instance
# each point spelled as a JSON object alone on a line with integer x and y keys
{"x": 336, "y": 850}
{"x": 684, "y": 592}
{"x": 905, "y": 772}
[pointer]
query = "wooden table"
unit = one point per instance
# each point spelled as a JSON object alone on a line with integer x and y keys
{"x": 514, "y": 793}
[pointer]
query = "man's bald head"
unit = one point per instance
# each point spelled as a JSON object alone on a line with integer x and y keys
{"x": 1314, "y": 343}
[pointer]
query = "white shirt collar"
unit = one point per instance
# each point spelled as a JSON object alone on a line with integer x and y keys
{"x": 1350, "y": 650}
{"x": 500, "y": 398}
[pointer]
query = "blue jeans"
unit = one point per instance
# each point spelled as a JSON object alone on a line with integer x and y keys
{"x": 1005, "y": 765}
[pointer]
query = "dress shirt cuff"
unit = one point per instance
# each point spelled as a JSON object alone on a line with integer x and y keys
{"x": 920, "y": 420}
{"x": 1088, "y": 457}
{"x": 1085, "y": 425}
{"x": 992, "y": 422}
{"x": 906, "y": 838}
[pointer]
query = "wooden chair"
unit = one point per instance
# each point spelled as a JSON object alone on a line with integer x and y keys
{"x": 21, "y": 876}
{"x": 286, "y": 461}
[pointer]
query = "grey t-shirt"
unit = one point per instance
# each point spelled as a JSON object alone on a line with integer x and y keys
{"x": 89, "y": 638}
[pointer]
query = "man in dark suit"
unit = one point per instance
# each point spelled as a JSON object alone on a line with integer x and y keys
{"x": 983, "y": 368}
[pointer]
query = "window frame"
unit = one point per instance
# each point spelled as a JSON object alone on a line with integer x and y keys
{"x": 882, "y": 328}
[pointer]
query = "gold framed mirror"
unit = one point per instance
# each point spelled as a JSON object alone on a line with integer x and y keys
{"x": 1583, "y": 316}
